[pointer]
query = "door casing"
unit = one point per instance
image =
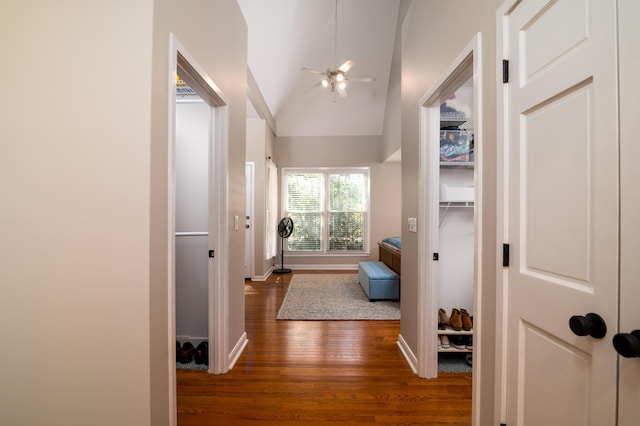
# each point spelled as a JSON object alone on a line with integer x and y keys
{"x": 466, "y": 65}
{"x": 197, "y": 79}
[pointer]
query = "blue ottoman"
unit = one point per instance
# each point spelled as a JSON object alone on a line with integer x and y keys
{"x": 378, "y": 281}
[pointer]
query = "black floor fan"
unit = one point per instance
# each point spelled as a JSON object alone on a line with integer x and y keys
{"x": 285, "y": 228}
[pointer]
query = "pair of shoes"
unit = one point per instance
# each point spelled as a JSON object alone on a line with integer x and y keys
{"x": 202, "y": 353}
{"x": 185, "y": 354}
{"x": 460, "y": 320}
{"x": 443, "y": 319}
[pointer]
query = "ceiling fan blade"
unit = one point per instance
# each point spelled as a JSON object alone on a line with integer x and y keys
{"x": 346, "y": 66}
{"x": 310, "y": 88}
{"x": 312, "y": 71}
{"x": 363, "y": 78}
{"x": 342, "y": 92}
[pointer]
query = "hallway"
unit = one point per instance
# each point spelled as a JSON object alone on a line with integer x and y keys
{"x": 312, "y": 372}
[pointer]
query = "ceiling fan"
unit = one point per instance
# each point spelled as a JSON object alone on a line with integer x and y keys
{"x": 335, "y": 78}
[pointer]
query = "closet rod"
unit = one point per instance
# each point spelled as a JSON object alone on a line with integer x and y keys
{"x": 191, "y": 234}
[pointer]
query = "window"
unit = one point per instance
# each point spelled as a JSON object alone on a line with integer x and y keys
{"x": 329, "y": 208}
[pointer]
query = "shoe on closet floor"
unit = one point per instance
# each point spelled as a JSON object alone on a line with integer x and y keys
{"x": 201, "y": 355}
{"x": 186, "y": 353}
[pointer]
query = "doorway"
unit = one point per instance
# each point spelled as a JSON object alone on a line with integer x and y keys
{"x": 183, "y": 64}
{"x": 466, "y": 69}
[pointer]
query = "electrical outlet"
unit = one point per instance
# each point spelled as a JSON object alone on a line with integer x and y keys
{"x": 413, "y": 224}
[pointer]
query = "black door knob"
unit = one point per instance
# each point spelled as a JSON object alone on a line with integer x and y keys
{"x": 589, "y": 325}
{"x": 627, "y": 344}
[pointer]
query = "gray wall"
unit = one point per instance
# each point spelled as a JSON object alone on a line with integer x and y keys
{"x": 348, "y": 151}
{"x": 192, "y": 215}
{"x": 434, "y": 33}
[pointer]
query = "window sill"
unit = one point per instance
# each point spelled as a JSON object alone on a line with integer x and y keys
{"x": 321, "y": 254}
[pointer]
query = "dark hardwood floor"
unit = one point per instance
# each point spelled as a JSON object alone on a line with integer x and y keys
{"x": 317, "y": 372}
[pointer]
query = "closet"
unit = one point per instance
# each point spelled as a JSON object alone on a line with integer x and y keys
{"x": 192, "y": 218}
{"x": 456, "y": 218}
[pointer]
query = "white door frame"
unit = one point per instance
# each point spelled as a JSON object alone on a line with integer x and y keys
{"x": 466, "y": 65}
{"x": 502, "y": 225}
{"x": 218, "y": 304}
{"x": 249, "y": 211}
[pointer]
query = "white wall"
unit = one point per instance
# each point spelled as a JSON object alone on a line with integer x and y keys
{"x": 74, "y": 182}
{"x": 455, "y": 289}
{"x": 83, "y": 180}
{"x": 434, "y": 33}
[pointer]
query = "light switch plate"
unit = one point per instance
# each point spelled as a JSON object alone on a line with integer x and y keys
{"x": 236, "y": 223}
{"x": 413, "y": 224}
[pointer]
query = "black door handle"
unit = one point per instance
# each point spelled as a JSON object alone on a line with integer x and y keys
{"x": 627, "y": 344}
{"x": 589, "y": 325}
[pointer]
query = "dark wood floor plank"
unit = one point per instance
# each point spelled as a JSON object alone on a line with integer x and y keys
{"x": 318, "y": 372}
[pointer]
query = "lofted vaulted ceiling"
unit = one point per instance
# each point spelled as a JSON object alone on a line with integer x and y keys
{"x": 286, "y": 35}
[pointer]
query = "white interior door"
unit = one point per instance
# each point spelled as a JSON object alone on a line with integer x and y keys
{"x": 563, "y": 211}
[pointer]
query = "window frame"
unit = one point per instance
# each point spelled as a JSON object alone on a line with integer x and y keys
{"x": 324, "y": 212}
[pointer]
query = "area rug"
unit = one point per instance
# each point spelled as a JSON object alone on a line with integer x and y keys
{"x": 330, "y": 297}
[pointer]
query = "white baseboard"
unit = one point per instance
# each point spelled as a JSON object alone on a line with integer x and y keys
{"x": 262, "y": 277}
{"x": 340, "y": 267}
{"x": 408, "y": 354}
{"x": 237, "y": 350}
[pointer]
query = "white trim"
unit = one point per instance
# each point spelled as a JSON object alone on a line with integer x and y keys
{"x": 251, "y": 214}
{"x": 171, "y": 230}
{"x": 193, "y": 339}
{"x": 502, "y": 217}
{"x": 237, "y": 350}
{"x": 323, "y": 267}
{"x": 219, "y": 289}
{"x": 264, "y": 276}
{"x": 408, "y": 354}
{"x": 467, "y": 64}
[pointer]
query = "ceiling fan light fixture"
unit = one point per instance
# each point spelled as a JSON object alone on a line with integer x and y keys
{"x": 340, "y": 77}
{"x": 342, "y": 85}
{"x": 325, "y": 82}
